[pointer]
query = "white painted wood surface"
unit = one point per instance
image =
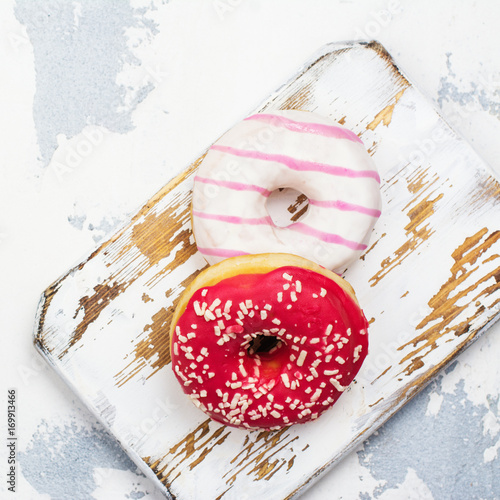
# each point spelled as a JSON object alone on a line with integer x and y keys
{"x": 429, "y": 284}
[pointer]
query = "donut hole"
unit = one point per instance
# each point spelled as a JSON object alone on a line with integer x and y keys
{"x": 286, "y": 206}
{"x": 264, "y": 345}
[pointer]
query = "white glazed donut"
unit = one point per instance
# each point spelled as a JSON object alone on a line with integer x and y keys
{"x": 295, "y": 149}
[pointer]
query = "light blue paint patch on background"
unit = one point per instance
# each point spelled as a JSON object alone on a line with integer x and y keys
{"x": 105, "y": 228}
{"x": 79, "y": 49}
{"x": 484, "y": 93}
{"x": 456, "y": 470}
{"x": 55, "y": 453}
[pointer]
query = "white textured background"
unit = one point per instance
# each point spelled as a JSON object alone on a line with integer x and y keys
{"x": 87, "y": 92}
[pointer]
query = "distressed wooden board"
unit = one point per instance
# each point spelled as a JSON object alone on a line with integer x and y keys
{"x": 429, "y": 284}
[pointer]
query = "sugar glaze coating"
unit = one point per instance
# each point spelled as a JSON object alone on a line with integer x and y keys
{"x": 296, "y": 149}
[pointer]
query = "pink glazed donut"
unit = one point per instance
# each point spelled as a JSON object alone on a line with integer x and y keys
{"x": 286, "y": 149}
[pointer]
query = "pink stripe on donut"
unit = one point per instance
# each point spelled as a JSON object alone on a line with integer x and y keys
{"x": 326, "y": 237}
{"x": 301, "y": 165}
{"x": 232, "y": 219}
{"x": 238, "y": 186}
{"x": 346, "y": 207}
{"x": 307, "y": 127}
{"x": 221, "y": 252}
{"x": 296, "y": 226}
{"x": 338, "y": 204}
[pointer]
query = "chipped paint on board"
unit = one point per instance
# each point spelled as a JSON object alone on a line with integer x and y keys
{"x": 154, "y": 257}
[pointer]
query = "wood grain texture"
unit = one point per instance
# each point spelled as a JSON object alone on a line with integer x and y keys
{"x": 429, "y": 284}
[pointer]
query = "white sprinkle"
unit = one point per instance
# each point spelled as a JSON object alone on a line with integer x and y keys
{"x": 176, "y": 348}
{"x": 323, "y": 292}
{"x": 357, "y": 350}
{"x": 194, "y": 327}
{"x": 344, "y": 340}
{"x": 315, "y": 363}
{"x": 243, "y": 308}
{"x": 286, "y": 380}
{"x": 248, "y": 304}
{"x": 286, "y": 286}
{"x": 318, "y": 353}
{"x": 296, "y": 340}
{"x": 235, "y": 401}
{"x": 304, "y": 338}
{"x": 209, "y": 315}
{"x": 227, "y": 306}
{"x": 298, "y": 286}
{"x": 280, "y": 296}
{"x": 217, "y": 330}
{"x": 340, "y": 345}
{"x": 329, "y": 329}
{"x": 221, "y": 324}
{"x": 199, "y": 358}
{"x": 316, "y": 395}
{"x": 238, "y": 320}
{"x": 211, "y": 374}
{"x": 204, "y": 351}
{"x": 362, "y": 331}
{"x": 302, "y": 357}
{"x": 203, "y": 393}
{"x": 330, "y": 372}
{"x": 240, "y": 314}
{"x": 214, "y": 304}
{"x": 251, "y": 314}
{"x": 315, "y": 295}
{"x": 191, "y": 335}
{"x": 287, "y": 276}
{"x": 340, "y": 360}
{"x": 313, "y": 371}
{"x": 328, "y": 358}
{"x": 193, "y": 366}
{"x": 243, "y": 371}
{"x": 276, "y": 321}
{"x": 293, "y": 296}
{"x": 348, "y": 331}
{"x": 197, "y": 308}
{"x": 337, "y": 385}
{"x": 329, "y": 348}
{"x": 204, "y": 292}
{"x": 289, "y": 306}
{"x": 263, "y": 314}
{"x": 236, "y": 385}
{"x": 268, "y": 307}
{"x": 218, "y": 313}
{"x": 308, "y": 390}
{"x": 220, "y": 342}
{"x": 336, "y": 337}
{"x": 315, "y": 340}
{"x": 182, "y": 338}
{"x": 276, "y": 414}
